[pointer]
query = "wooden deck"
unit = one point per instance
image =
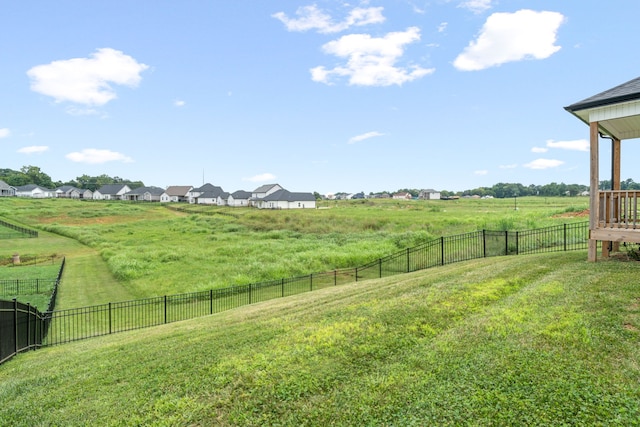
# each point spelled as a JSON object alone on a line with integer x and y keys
{"x": 618, "y": 219}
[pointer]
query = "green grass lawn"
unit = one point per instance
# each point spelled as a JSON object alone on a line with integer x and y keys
{"x": 149, "y": 250}
{"x": 524, "y": 340}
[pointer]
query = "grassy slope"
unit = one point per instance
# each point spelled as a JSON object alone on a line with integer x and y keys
{"x": 539, "y": 339}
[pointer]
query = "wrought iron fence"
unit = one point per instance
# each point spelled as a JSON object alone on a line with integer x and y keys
{"x": 26, "y": 286}
{"x": 24, "y": 232}
{"x": 80, "y": 323}
{"x": 22, "y": 326}
{"x": 62, "y": 326}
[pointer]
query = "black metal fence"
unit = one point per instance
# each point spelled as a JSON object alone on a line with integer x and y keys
{"x": 22, "y": 326}
{"x": 86, "y": 322}
{"x": 21, "y": 231}
{"x": 27, "y": 286}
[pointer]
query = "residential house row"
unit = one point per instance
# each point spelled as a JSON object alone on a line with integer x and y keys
{"x": 270, "y": 196}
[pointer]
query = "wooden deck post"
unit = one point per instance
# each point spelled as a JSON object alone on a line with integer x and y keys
{"x": 593, "y": 191}
{"x": 616, "y": 179}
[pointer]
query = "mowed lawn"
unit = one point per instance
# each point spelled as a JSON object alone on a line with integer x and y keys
{"x": 522, "y": 340}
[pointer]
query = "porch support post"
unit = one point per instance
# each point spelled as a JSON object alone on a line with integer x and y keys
{"x": 616, "y": 179}
{"x": 593, "y": 191}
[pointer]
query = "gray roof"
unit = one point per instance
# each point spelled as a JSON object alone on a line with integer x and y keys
{"x": 287, "y": 196}
{"x": 178, "y": 190}
{"x": 241, "y": 194}
{"x": 30, "y": 187}
{"x": 154, "y": 191}
{"x": 264, "y": 188}
{"x": 209, "y": 188}
{"x": 4, "y": 185}
{"x": 111, "y": 188}
{"x": 628, "y": 91}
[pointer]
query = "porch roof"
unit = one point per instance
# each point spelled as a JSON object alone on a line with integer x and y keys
{"x": 617, "y": 110}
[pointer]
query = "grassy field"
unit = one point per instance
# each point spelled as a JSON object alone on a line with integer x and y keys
{"x": 532, "y": 340}
{"x": 150, "y": 250}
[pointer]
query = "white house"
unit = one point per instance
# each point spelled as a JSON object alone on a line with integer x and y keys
{"x": 145, "y": 194}
{"x": 177, "y": 193}
{"x": 264, "y": 190}
{"x": 402, "y": 196}
{"x": 429, "y": 194}
{"x": 222, "y": 199}
{"x": 111, "y": 192}
{"x": 283, "y": 199}
{"x": 34, "y": 191}
{"x": 207, "y": 194}
{"x": 6, "y": 190}
{"x": 239, "y": 198}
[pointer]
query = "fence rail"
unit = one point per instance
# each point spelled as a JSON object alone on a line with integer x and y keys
{"x": 24, "y": 231}
{"x": 63, "y": 326}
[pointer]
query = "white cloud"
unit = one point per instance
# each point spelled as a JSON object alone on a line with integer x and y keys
{"x": 543, "y": 164}
{"x": 179, "y": 103}
{"x": 371, "y": 60}
{"x": 35, "y": 149}
{"x": 4, "y": 132}
{"x": 442, "y": 27}
{"x": 312, "y": 18}
{"x": 86, "y": 80}
{"x": 539, "y": 150}
{"x": 508, "y": 37}
{"x": 263, "y": 177}
{"x": 364, "y": 136}
{"x": 476, "y": 6}
{"x": 96, "y": 156}
{"x": 576, "y": 145}
{"x": 481, "y": 172}
{"x": 513, "y": 166}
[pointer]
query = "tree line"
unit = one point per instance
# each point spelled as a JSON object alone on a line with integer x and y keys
{"x": 34, "y": 175}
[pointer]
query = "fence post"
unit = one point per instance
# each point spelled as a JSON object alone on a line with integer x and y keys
{"x": 282, "y": 285}
{"x": 408, "y": 264}
{"x": 565, "y": 237}
{"x": 311, "y": 282}
{"x": 335, "y": 277}
{"x": 380, "y": 267}
{"x": 210, "y": 301}
{"x": 29, "y": 325}
{"x": 165, "y": 309}
{"x": 356, "y": 274}
{"x": 15, "y": 325}
{"x": 484, "y": 243}
{"x": 37, "y": 286}
{"x": 506, "y": 242}
{"x": 441, "y": 250}
{"x": 517, "y": 243}
{"x": 249, "y": 293}
{"x": 110, "y": 328}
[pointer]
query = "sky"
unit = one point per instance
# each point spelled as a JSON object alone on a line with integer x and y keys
{"x": 327, "y": 96}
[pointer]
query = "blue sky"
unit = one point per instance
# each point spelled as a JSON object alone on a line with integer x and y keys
{"x": 318, "y": 95}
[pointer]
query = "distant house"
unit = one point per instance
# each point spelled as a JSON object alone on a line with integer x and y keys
{"x": 264, "y": 190}
{"x": 239, "y": 198}
{"x": 207, "y": 194}
{"x": 429, "y": 194}
{"x": 284, "y": 199}
{"x": 144, "y": 194}
{"x": 111, "y": 192}
{"x": 177, "y": 193}
{"x": 402, "y": 196}
{"x": 70, "y": 192}
{"x": 34, "y": 191}
{"x": 222, "y": 199}
{"x": 6, "y": 190}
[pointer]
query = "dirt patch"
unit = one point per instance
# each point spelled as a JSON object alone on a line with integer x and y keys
{"x": 577, "y": 214}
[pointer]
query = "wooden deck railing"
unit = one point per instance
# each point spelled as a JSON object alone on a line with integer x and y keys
{"x": 619, "y": 209}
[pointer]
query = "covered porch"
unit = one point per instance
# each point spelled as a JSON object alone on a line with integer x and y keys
{"x": 613, "y": 115}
